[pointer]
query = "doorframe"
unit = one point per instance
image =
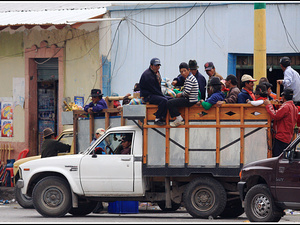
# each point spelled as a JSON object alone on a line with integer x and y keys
{"x": 31, "y": 115}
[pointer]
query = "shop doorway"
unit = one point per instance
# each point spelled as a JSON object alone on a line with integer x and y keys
{"x": 47, "y": 91}
{"x": 244, "y": 65}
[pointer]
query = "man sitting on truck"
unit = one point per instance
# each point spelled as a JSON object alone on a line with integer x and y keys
{"x": 97, "y": 104}
{"x": 50, "y": 146}
{"x": 285, "y": 119}
{"x": 232, "y": 95}
{"x": 247, "y": 89}
{"x": 150, "y": 91}
{"x": 215, "y": 86}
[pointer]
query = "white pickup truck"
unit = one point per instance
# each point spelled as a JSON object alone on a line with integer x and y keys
{"x": 196, "y": 164}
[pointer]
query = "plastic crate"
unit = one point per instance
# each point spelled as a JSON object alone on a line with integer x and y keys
{"x": 123, "y": 207}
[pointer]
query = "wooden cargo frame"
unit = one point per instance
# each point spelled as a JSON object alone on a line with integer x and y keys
{"x": 240, "y": 113}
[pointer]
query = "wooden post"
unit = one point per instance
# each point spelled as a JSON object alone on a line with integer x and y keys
{"x": 278, "y": 91}
{"x": 187, "y": 136}
{"x": 218, "y": 138}
{"x": 242, "y": 132}
{"x": 92, "y": 126}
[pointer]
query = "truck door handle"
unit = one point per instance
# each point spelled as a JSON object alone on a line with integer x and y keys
{"x": 125, "y": 159}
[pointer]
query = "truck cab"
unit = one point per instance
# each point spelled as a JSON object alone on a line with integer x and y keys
{"x": 268, "y": 187}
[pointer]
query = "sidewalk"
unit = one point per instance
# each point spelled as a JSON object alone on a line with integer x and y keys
{"x": 7, "y": 193}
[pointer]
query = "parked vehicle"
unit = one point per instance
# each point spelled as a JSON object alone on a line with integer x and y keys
{"x": 25, "y": 201}
{"x": 196, "y": 164}
{"x": 268, "y": 187}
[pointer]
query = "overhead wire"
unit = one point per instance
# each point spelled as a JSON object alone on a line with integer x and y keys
{"x": 168, "y": 45}
{"x": 287, "y": 33}
{"x": 159, "y": 25}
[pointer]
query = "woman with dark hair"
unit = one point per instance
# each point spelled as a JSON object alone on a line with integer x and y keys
{"x": 261, "y": 94}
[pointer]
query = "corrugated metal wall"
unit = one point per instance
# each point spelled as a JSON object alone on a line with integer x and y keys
{"x": 222, "y": 29}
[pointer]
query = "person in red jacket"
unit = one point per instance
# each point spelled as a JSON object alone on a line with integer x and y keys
{"x": 285, "y": 119}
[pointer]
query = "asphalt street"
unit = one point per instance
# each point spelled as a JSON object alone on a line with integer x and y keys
{"x": 13, "y": 213}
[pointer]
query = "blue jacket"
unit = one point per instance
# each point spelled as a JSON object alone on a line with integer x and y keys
{"x": 97, "y": 107}
{"x": 243, "y": 96}
{"x": 201, "y": 82}
{"x": 149, "y": 84}
{"x": 215, "y": 97}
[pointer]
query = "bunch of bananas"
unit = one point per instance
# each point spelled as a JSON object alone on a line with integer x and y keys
{"x": 72, "y": 106}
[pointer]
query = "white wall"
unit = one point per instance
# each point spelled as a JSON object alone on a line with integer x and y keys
{"x": 223, "y": 29}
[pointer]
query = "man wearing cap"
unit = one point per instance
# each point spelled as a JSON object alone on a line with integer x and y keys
{"x": 50, "y": 146}
{"x": 247, "y": 89}
{"x": 99, "y": 133}
{"x": 150, "y": 90}
{"x": 179, "y": 80}
{"x": 214, "y": 86}
{"x": 285, "y": 119}
{"x": 211, "y": 72}
{"x": 291, "y": 78}
{"x": 232, "y": 95}
{"x": 97, "y": 103}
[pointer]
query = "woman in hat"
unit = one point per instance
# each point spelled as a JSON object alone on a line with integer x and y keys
{"x": 215, "y": 87}
{"x": 97, "y": 104}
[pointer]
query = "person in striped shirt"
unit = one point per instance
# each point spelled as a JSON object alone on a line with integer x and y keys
{"x": 187, "y": 98}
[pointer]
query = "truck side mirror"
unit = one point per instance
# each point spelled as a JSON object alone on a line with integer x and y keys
{"x": 94, "y": 154}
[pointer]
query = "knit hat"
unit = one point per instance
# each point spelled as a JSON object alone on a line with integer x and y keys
{"x": 183, "y": 65}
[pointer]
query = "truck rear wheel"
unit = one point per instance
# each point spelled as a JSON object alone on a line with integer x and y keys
{"x": 260, "y": 206}
{"x": 23, "y": 200}
{"x": 52, "y": 197}
{"x": 205, "y": 197}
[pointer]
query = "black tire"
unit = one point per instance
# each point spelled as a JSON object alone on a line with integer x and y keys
{"x": 260, "y": 206}
{"x": 204, "y": 197}
{"x": 233, "y": 209}
{"x": 84, "y": 208}
{"x": 52, "y": 197}
{"x": 174, "y": 206}
{"x": 23, "y": 200}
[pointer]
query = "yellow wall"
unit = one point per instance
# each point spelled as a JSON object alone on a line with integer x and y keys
{"x": 82, "y": 60}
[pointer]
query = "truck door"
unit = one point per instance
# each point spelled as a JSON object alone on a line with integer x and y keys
{"x": 109, "y": 171}
{"x": 288, "y": 178}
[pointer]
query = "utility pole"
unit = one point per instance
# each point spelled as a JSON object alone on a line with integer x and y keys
{"x": 260, "y": 55}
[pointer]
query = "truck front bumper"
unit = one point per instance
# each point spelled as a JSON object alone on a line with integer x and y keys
{"x": 241, "y": 188}
{"x": 20, "y": 183}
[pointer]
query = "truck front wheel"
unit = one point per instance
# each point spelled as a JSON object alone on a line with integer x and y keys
{"x": 23, "y": 200}
{"x": 205, "y": 197}
{"x": 52, "y": 197}
{"x": 259, "y": 205}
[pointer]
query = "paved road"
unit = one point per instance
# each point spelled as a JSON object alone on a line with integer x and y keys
{"x": 13, "y": 213}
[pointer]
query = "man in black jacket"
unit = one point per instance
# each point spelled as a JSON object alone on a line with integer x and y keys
{"x": 150, "y": 90}
{"x": 50, "y": 146}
